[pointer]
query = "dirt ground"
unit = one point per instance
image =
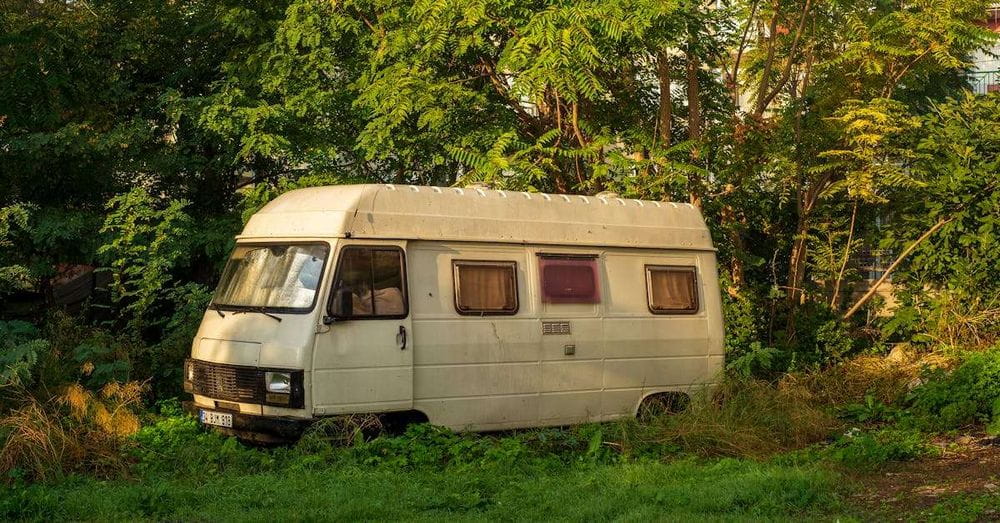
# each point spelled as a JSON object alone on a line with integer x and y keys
{"x": 968, "y": 465}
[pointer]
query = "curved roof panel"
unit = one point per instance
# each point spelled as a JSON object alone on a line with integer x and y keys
{"x": 478, "y": 215}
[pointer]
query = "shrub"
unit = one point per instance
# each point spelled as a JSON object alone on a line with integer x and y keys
{"x": 873, "y": 449}
{"x": 820, "y": 338}
{"x": 967, "y": 394}
{"x": 426, "y": 445}
{"x": 147, "y": 239}
{"x": 13, "y": 276}
{"x": 41, "y": 442}
{"x": 20, "y": 348}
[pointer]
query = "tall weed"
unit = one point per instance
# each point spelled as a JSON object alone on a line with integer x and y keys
{"x": 750, "y": 418}
{"x": 78, "y": 431}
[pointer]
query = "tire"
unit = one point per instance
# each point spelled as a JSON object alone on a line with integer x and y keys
{"x": 662, "y": 404}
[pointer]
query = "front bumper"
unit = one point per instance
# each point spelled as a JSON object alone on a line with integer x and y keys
{"x": 258, "y": 429}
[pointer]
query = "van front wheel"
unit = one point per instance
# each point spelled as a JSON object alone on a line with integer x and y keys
{"x": 661, "y": 404}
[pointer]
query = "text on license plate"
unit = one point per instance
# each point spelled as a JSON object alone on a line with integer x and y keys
{"x": 220, "y": 419}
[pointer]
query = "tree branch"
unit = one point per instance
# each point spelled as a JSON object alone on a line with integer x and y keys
{"x": 764, "y": 100}
{"x": 888, "y": 272}
{"x": 847, "y": 256}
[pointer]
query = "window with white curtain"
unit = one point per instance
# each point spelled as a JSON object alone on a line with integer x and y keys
{"x": 671, "y": 289}
{"x": 485, "y": 287}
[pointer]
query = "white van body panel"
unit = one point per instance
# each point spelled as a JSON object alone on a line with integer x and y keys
{"x": 484, "y": 372}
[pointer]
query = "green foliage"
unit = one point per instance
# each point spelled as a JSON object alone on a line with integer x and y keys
{"x": 755, "y": 361}
{"x": 685, "y": 490}
{"x": 861, "y": 449}
{"x": 952, "y": 399}
{"x": 163, "y": 360}
{"x": 958, "y": 156}
{"x": 21, "y": 345}
{"x": 870, "y": 411}
{"x": 873, "y": 159}
{"x": 12, "y": 276}
{"x": 147, "y": 240}
{"x": 821, "y": 338}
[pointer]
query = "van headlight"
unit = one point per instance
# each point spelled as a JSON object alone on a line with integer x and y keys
{"x": 278, "y": 382}
{"x": 188, "y": 376}
{"x": 284, "y": 388}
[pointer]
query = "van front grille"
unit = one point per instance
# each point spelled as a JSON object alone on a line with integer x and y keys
{"x": 227, "y": 382}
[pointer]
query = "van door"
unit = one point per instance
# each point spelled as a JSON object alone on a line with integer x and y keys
{"x": 364, "y": 361}
{"x": 572, "y": 358}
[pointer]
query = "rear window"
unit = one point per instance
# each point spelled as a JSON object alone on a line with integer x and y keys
{"x": 569, "y": 280}
{"x": 672, "y": 290}
{"x": 485, "y": 287}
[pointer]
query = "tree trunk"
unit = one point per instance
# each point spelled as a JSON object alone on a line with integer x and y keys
{"x": 729, "y": 223}
{"x": 694, "y": 123}
{"x": 666, "y": 114}
{"x": 835, "y": 300}
{"x": 797, "y": 262}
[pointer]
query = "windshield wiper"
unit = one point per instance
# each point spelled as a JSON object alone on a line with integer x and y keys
{"x": 215, "y": 307}
{"x": 260, "y": 310}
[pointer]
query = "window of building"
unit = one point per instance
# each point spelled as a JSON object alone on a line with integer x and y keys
{"x": 672, "y": 290}
{"x": 485, "y": 287}
{"x": 370, "y": 283}
{"x": 569, "y": 279}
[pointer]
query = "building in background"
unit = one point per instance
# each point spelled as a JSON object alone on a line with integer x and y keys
{"x": 985, "y": 76}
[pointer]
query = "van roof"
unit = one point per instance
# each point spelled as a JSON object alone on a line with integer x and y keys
{"x": 478, "y": 215}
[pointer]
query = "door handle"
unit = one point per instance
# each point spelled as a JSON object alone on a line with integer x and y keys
{"x": 401, "y": 337}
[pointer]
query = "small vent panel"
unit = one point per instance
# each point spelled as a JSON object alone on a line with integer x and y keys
{"x": 555, "y": 328}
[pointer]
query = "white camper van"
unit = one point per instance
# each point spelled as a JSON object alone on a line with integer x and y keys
{"x": 471, "y": 308}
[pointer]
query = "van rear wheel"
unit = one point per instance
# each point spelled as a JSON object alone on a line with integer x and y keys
{"x": 662, "y": 404}
{"x": 396, "y": 423}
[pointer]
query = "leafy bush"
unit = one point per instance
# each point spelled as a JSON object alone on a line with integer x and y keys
{"x": 20, "y": 348}
{"x": 13, "y": 276}
{"x": 820, "y": 338}
{"x": 873, "y": 449}
{"x": 949, "y": 399}
{"x": 147, "y": 240}
{"x": 756, "y": 361}
{"x": 870, "y": 411}
{"x": 163, "y": 360}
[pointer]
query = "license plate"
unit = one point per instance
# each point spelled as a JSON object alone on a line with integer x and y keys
{"x": 219, "y": 419}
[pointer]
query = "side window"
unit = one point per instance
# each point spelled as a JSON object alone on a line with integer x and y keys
{"x": 569, "y": 279}
{"x": 672, "y": 290}
{"x": 370, "y": 283}
{"x": 485, "y": 287}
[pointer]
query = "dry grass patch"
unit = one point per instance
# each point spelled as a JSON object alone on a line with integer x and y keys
{"x": 885, "y": 378}
{"x": 757, "y": 418}
{"x": 40, "y": 442}
{"x": 750, "y": 418}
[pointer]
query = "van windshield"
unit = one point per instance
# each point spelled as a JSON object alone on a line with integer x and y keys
{"x": 283, "y": 278}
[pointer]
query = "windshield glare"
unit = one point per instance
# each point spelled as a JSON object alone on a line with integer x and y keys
{"x": 281, "y": 277}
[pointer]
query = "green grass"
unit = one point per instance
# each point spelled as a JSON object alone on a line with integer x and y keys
{"x": 720, "y": 490}
{"x": 961, "y": 508}
{"x": 615, "y": 471}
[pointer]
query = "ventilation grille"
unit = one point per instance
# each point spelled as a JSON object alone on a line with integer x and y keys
{"x": 555, "y": 328}
{"x": 228, "y": 382}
